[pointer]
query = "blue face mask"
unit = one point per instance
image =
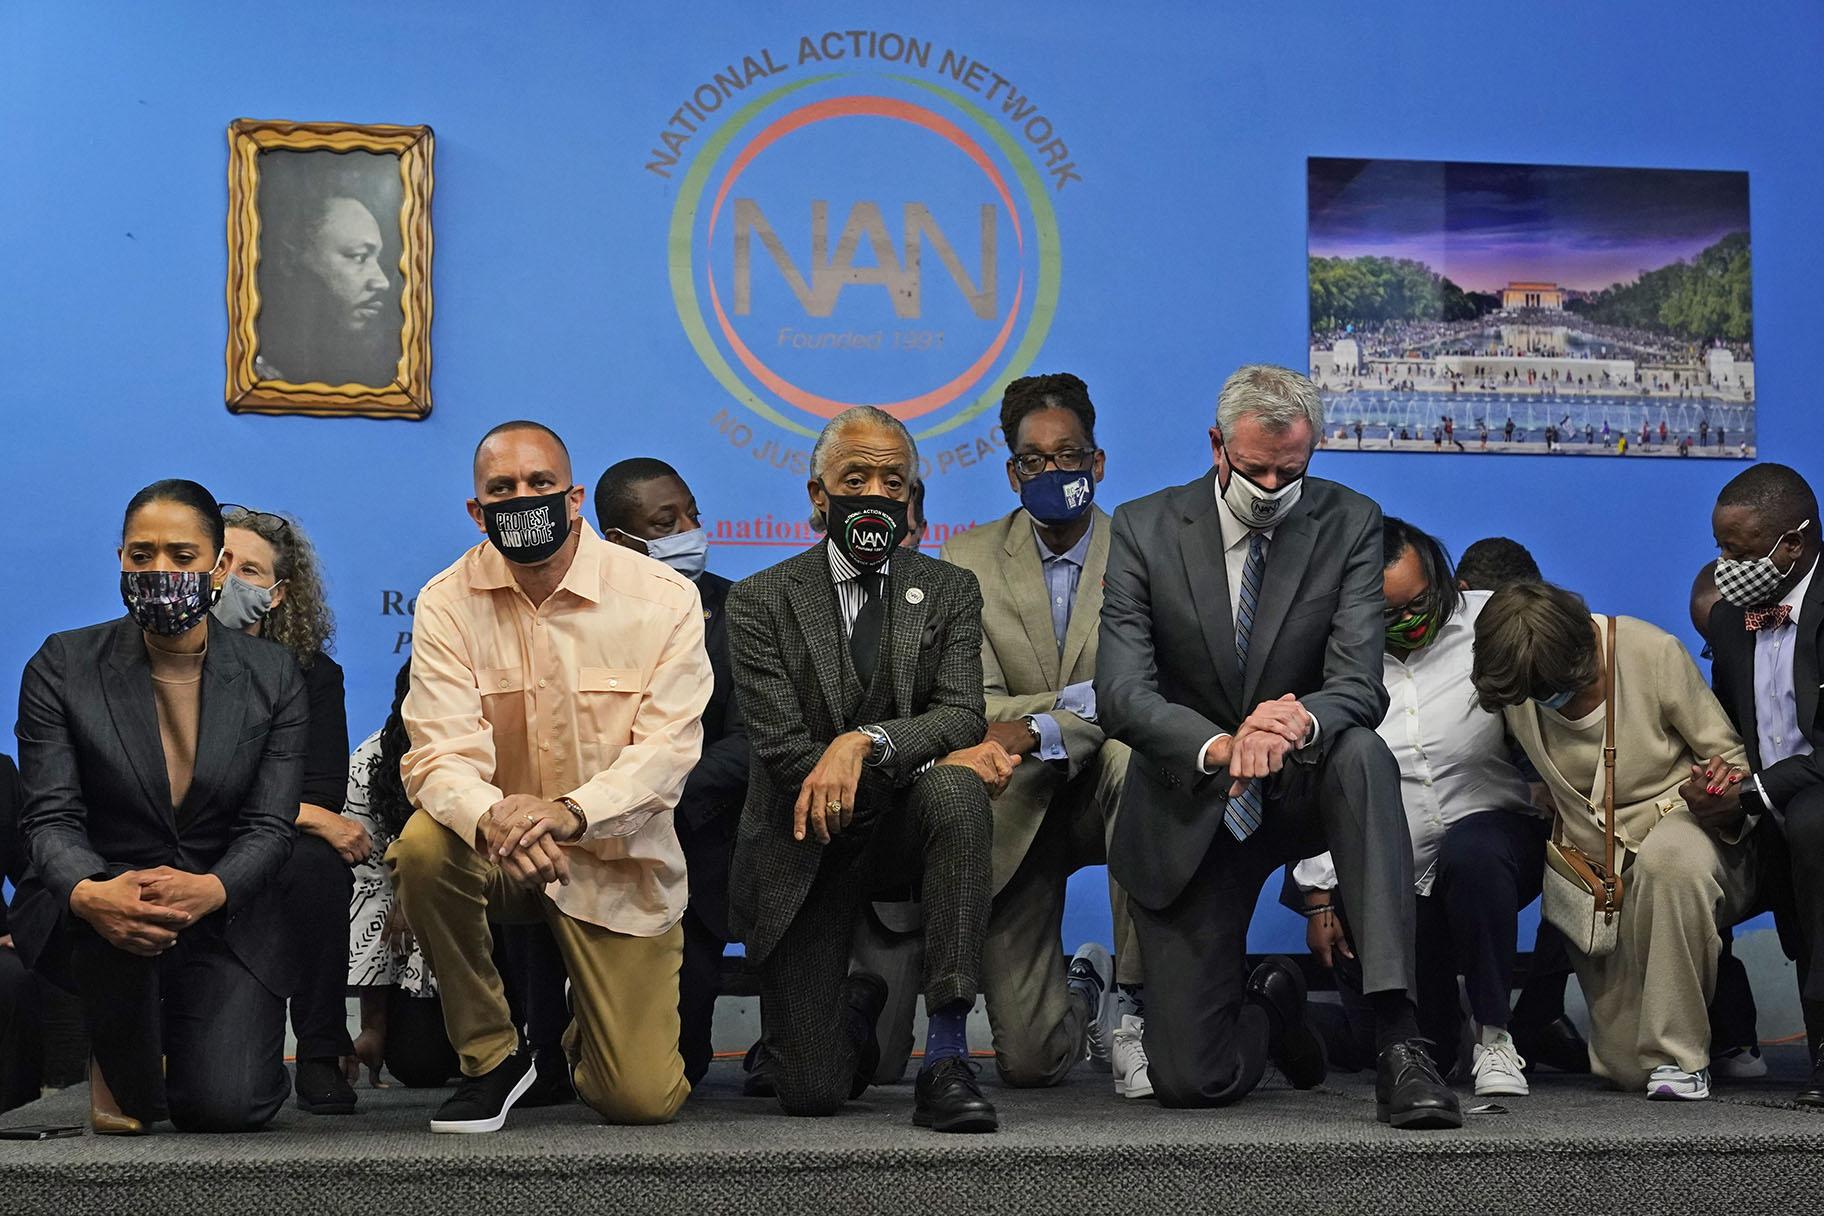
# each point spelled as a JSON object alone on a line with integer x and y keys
{"x": 1556, "y": 701}
{"x": 1057, "y": 497}
{"x": 685, "y": 552}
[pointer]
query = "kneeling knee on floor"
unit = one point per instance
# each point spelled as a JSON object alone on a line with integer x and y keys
{"x": 640, "y": 1100}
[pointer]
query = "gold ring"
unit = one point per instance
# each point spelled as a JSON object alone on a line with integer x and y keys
{"x": 529, "y": 819}
{"x": 832, "y": 808}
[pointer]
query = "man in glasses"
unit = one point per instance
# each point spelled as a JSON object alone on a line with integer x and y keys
{"x": 1041, "y": 570}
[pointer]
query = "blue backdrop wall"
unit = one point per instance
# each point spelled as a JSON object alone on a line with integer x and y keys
{"x": 1159, "y": 248}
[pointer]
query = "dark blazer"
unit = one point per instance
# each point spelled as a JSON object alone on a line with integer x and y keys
{"x": 1732, "y": 675}
{"x": 98, "y": 801}
{"x": 711, "y": 803}
{"x": 792, "y": 668}
{"x": 1166, "y": 677}
{"x": 12, "y": 848}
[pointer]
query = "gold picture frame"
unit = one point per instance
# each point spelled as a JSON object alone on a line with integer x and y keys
{"x": 311, "y": 242}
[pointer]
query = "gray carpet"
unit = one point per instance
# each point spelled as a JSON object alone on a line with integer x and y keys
{"x": 1571, "y": 1147}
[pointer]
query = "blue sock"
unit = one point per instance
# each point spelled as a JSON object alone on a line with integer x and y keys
{"x": 947, "y": 1034}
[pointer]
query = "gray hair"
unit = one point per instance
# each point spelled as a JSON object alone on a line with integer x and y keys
{"x": 1277, "y": 396}
{"x": 850, "y": 419}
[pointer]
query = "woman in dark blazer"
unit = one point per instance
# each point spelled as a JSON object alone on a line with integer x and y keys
{"x": 162, "y": 757}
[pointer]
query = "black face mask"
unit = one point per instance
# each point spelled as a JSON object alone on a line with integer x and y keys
{"x": 528, "y": 530}
{"x": 866, "y": 528}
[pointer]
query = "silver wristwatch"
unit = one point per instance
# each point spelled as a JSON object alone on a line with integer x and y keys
{"x": 882, "y": 745}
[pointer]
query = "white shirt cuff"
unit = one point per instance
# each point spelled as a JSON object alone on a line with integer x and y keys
{"x": 1205, "y": 750}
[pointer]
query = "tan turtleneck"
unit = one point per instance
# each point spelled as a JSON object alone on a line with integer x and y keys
{"x": 177, "y": 688}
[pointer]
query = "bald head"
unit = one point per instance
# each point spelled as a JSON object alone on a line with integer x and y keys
{"x": 519, "y": 460}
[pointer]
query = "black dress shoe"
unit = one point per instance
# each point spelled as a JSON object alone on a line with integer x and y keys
{"x": 946, "y": 1098}
{"x": 1555, "y": 1044}
{"x": 1813, "y": 1093}
{"x": 1278, "y": 987}
{"x": 1408, "y": 1091}
{"x": 866, "y": 994}
{"x": 551, "y": 1083}
{"x": 323, "y": 1089}
{"x": 759, "y": 1080}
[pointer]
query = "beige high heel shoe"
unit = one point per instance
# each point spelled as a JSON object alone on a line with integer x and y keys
{"x": 105, "y": 1118}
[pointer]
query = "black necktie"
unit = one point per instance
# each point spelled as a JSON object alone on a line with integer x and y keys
{"x": 864, "y": 637}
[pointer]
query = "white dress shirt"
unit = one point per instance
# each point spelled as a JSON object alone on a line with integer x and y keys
{"x": 1455, "y": 759}
{"x": 1776, "y": 711}
{"x": 1235, "y": 535}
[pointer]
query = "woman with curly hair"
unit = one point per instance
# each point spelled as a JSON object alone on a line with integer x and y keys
{"x": 274, "y": 590}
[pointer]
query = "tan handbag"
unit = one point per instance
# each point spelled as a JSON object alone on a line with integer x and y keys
{"x": 1581, "y": 897}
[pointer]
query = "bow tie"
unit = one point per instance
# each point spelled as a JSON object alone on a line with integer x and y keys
{"x": 1757, "y": 619}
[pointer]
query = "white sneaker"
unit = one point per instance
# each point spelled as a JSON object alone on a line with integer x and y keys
{"x": 1739, "y": 1064}
{"x": 1128, "y": 1059}
{"x": 1670, "y": 1082}
{"x": 1093, "y": 961}
{"x": 1497, "y": 1069}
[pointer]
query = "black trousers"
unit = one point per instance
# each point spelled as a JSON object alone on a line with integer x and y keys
{"x": 315, "y": 886}
{"x": 1490, "y": 866}
{"x": 219, "y": 1031}
{"x": 21, "y": 1033}
{"x": 1206, "y": 1047}
{"x": 699, "y": 984}
{"x": 942, "y": 825}
{"x": 1802, "y": 901}
{"x": 418, "y": 1051}
{"x": 532, "y": 971}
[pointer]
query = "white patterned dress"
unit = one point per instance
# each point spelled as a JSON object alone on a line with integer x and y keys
{"x": 372, "y": 963}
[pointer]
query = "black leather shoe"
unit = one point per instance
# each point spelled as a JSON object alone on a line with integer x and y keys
{"x": 323, "y": 1089}
{"x": 1555, "y": 1044}
{"x": 759, "y": 1080}
{"x": 1278, "y": 987}
{"x": 1408, "y": 1091}
{"x": 866, "y": 994}
{"x": 946, "y": 1098}
{"x": 552, "y": 1085}
{"x": 1813, "y": 1093}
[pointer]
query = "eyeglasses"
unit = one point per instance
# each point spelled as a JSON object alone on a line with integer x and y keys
{"x": 1070, "y": 460}
{"x": 1418, "y": 605}
{"x": 263, "y": 521}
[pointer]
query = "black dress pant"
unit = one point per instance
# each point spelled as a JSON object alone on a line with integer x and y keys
{"x": 532, "y": 971}
{"x": 699, "y": 984}
{"x": 418, "y": 1051}
{"x": 21, "y": 1037}
{"x": 1206, "y": 1046}
{"x": 942, "y": 825}
{"x": 315, "y": 886}
{"x": 219, "y": 1031}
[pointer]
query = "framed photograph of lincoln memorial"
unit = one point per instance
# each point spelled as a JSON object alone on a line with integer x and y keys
{"x": 329, "y": 269}
{"x": 1461, "y": 307}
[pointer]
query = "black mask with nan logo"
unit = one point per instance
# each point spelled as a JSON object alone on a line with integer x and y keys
{"x": 866, "y": 528}
{"x": 528, "y": 530}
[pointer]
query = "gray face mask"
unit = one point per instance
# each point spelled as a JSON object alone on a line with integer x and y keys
{"x": 242, "y": 604}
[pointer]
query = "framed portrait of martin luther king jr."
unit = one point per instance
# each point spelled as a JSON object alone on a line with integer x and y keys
{"x": 329, "y": 269}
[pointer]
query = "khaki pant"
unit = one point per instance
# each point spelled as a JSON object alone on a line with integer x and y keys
{"x": 1649, "y": 998}
{"x": 623, "y": 1041}
{"x": 1038, "y": 1025}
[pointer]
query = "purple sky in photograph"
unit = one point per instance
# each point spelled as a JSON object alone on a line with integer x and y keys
{"x": 1485, "y": 225}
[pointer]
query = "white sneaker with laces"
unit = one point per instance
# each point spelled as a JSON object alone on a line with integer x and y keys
{"x": 1669, "y": 1082}
{"x": 1497, "y": 1069}
{"x": 1739, "y": 1064}
{"x": 1127, "y": 1057}
{"x": 1093, "y": 961}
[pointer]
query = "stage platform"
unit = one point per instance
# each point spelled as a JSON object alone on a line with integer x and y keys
{"x": 1571, "y": 1147}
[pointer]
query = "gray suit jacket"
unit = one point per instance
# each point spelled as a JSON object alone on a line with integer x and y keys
{"x": 797, "y": 692}
{"x": 1021, "y": 667}
{"x": 1166, "y": 677}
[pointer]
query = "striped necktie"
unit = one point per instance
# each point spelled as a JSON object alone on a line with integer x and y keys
{"x": 1242, "y": 815}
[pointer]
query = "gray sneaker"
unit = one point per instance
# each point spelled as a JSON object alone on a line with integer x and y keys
{"x": 1092, "y": 969}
